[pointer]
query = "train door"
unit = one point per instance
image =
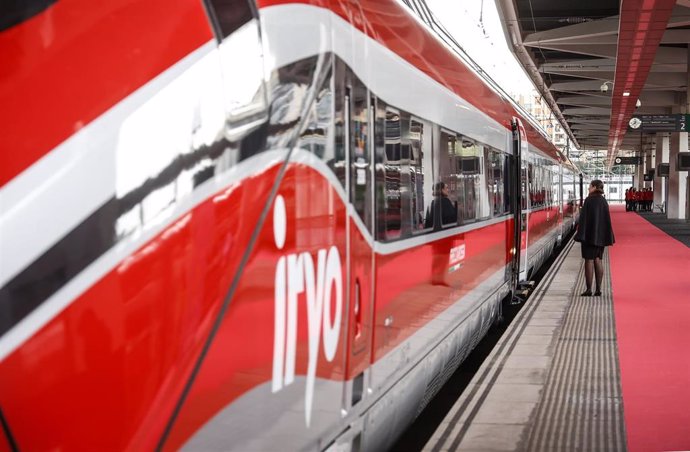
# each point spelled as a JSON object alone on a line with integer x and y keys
{"x": 521, "y": 198}
{"x": 525, "y": 205}
{"x": 516, "y": 204}
{"x": 360, "y": 227}
{"x": 560, "y": 201}
{"x": 581, "y": 190}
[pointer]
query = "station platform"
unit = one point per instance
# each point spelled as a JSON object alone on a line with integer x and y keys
{"x": 573, "y": 373}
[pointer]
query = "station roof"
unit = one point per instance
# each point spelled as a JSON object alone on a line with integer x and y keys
{"x": 638, "y": 49}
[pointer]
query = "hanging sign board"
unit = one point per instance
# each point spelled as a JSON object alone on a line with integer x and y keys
{"x": 683, "y": 162}
{"x": 662, "y": 170}
{"x": 658, "y": 123}
{"x": 627, "y": 161}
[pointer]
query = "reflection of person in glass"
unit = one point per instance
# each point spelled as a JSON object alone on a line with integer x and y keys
{"x": 442, "y": 212}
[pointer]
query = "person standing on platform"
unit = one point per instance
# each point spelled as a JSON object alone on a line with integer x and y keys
{"x": 594, "y": 232}
{"x": 650, "y": 199}
{"x": 633, "y": 199}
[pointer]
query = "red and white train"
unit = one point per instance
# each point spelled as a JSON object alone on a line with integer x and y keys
{"x": 216, "y": 225}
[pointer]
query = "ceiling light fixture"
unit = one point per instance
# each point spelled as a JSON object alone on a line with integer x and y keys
{"x": 626, "y": 94}
{"x": 604, "y": 87}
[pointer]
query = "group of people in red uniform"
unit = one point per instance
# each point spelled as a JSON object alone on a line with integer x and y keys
{"x": 639, "y": 200}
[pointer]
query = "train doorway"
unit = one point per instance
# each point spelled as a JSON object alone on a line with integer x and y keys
{"x": 519, "y": 205}
{"x": 358, "y": 139}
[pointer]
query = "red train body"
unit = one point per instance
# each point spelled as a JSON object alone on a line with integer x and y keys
{"x": 217, "y": 229}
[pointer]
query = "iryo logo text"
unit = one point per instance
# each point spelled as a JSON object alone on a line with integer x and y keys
{"x": 295, "y": 274}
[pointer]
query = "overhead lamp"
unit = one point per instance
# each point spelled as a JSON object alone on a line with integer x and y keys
{"x": 604, "y": 87}
{"x": 626, "y": 94}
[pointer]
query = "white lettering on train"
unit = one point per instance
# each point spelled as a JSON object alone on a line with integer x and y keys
{"x": 295, "y": 274}
{"x": 457, "y": 254}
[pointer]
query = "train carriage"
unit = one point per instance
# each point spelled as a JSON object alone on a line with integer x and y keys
{"x": 242, "y": 249}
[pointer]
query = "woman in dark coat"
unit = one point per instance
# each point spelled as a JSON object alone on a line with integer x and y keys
{"x": 594, "y": 232}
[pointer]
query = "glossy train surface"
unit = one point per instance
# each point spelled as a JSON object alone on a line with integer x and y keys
{"x": 225, "y": 231}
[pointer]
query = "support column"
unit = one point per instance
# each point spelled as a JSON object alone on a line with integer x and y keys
{"x": 661, "y": 156}
{"x": 639, "y": 172}
{"x": 648, "y": 164}
{"x": 677, "y": 180}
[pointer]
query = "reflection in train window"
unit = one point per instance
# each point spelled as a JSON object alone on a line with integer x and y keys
{"x": 421, "y": 178}
{"x": 418, "y": 162}
{"x": 404, "y": 176}
{"x": 494, "y": 179}
{"x": 317, "y": 137}
{"x": 471, "y": 182}
{"x": 448, "y": 173}
{"x": 555, "y": 184}
{"x": 524, "y": 184}
{"x": 390, "y": 206}
{"x": 360, "y": 158}
{"x": 341, "y": 106}
{"x": 508, "y": 171}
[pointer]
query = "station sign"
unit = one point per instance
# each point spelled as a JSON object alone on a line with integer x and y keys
{"x": 659, "y": 123}
{"x": 627, "y": 161}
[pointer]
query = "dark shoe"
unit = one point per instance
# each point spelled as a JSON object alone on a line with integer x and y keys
{"x": 597, "y": 293}
{"x": 586, "y": 293}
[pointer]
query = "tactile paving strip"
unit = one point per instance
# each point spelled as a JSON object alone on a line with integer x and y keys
{"x": 581, "y": 407}
{"x": 552, "y": 383}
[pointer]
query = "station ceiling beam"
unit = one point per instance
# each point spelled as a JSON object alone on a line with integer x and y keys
{"x": 642, "y": 25}
{"x": 571, "y": 49}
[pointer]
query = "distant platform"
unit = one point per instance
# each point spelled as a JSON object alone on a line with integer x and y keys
{"x": 678, "y": 229}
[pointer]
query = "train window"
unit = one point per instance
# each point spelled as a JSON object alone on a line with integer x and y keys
{"x": 531, "y": 183}
{"x": 389, "y": 208}
{"x": 535, "y": 183}
{"x": 544, "y": 182}
{"x": 539, "y": 183}
{"x": 421, "y": 177}
{"x": 569, "y": 199}
{"x": 494, "y": 180}
{"x": 524, "y": 185}
{"x": 508, "y": 172}
{"x": 227, "y": 16}
{"x": 404, "y": 176}
{"x": 555, "y": 185}
{"x": 237, "y": 30}
{"x": 341, "y": 96}
{"x": 471, "y": 183}
{"x": 360, "y": 153}
{"x": 316, "y": 137}
{"x": 448, "y": 158}
{"x": 405, "y": 179}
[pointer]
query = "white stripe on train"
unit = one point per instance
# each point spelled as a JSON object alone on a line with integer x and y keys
{"x": 59, "y": 191}
{"x": 74, "y": 179}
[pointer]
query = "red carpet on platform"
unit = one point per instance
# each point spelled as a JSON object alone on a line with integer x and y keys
{"x": 650, "y": 275}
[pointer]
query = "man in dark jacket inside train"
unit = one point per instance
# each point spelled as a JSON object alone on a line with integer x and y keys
{"x": 594, "y": 232}
{"x": 442, "y": 211}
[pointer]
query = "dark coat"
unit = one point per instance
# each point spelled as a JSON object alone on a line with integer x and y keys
{"x": 595, "y": 222}
{"x": 441, "y": 212}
